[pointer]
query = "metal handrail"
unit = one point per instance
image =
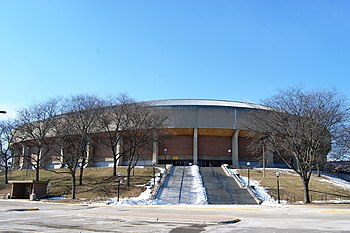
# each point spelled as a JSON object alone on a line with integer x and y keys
{"x": 182, "y": 180}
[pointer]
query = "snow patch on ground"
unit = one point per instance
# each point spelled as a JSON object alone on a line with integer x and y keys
{"x": 335, "y": 181}
{"x": 143, "y": 198}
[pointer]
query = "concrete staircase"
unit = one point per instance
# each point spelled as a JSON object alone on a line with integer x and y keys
{"x": 177, "y": 186}
{"x": 222, "y": 189}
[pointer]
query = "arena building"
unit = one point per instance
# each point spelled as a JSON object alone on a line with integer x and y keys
{"x": 202, "y": 132}
{"x": 207, "y": 132}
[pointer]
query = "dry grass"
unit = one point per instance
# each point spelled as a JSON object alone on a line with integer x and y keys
{"x": 291, "y": 186}
{"x": 97, "y": 182}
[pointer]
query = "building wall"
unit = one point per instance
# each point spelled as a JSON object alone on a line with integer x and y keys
{"x": 102, "y": 152}
{"x": 214, "y": 147}
{"x": 179, "y": 148}
{"x": 216, "y": 126}
{"x": 207, "y": 117}
{"x": 243, "y": 150}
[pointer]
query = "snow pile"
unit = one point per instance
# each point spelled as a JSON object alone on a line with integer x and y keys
{"x": 143, "y": 198}
{"x": 335, "y": 181}
{"x": 198, "y": 194}
{"x": 338, "y": 182}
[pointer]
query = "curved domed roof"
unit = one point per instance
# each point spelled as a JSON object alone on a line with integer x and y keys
{"x": 202, "y": 102}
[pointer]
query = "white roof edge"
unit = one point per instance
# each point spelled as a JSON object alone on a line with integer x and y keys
{"x": 203, "y": 102}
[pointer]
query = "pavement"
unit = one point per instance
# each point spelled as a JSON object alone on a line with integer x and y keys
{"x": 25, "y": 216}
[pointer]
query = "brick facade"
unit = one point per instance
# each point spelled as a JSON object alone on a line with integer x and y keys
{"x": 213, "y": 148}
{"x": 179, "y": 148}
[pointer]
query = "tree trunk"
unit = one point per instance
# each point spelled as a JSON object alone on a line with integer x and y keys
{"x": 81, "y": 171}
{"x": 128, "y": 176}
{"x": 318, "y": 170}
{"x": 6, "y": 175}
{"x": 306, "y": 191}
{"x": 114, "y": 160}
{"x": 37, "y": 171}
{"x": 73, "y": 186}
{"x": 115, "y": 165}
{"x": 81, "y": 175}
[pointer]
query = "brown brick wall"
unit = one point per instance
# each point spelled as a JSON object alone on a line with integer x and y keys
{"x": 213, "y": 147}
{"x": 146, "y": 153}
{"x": 180, "y": 146}
{"x": 102, "y": 151}
{"x": 243, "y": 151}
{"x": 54, "y": 154}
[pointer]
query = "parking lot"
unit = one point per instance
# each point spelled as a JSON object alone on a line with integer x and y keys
{"x": 25, "y": 216}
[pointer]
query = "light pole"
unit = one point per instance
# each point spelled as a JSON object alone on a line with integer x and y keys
{"x": 229, "y": 156}
{"x": 165, "y": 151}
{"x": 248, "y": 165}
{"x": 154, "y": 174}
{"x": 119, "y": 176}
{"x": 278, "y": 187}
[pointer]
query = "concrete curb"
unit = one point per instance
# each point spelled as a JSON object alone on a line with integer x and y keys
{"x": 184, "y": 220}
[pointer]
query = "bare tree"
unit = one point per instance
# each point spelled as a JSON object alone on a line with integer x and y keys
{"x": 35, "y": 125}
{"x": 113, "y": 122}
{"x": 143, "y": 122}
{"x": 300, "y": 126}
{"x": 73, "y": 133}
{"x": 340, "y": 154}
{"x": 341, "y": 148}
{"x": 85, "y": 111}
{"x": 7, "y": 137}
{"x": 69, "y": 147}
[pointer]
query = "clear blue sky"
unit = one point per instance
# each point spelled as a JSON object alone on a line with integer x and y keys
{"x": 233, "y": 50}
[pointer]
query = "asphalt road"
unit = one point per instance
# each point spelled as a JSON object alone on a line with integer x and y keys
{"x": 24, "y": 216}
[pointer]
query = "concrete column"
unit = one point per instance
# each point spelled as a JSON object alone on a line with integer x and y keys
{"x": 16, "y": 154}
{"x": 24, "y": 163}
{"x": 21, "y": 159}
{"x": 120, "y": 152}
{"x": 155, "y": 152}
{"x": 269, "y": 156}
{"x": 88, "y": 155}
{"x": 40, "y": 158}
{"x": 235, "y": 156}
{"x": 61, "y": 156}
{"x": 195, "y": 146}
